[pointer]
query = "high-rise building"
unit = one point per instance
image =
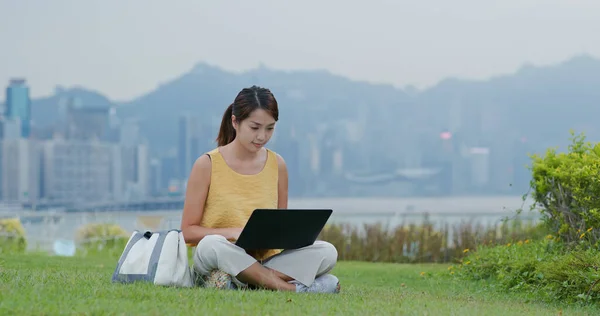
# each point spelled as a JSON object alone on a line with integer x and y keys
{"x": 18, "y": 105}
{"x": 188, "y": 145}
{"x": 129, "y": 133}
{"x": 20, "y": 170}
{"x": 135, "y": 172}
{"x": 480, "y": 167}
{"x": 80, "y": 171}
{"x": 154, "y": 177}
{"x": 10, "y": 129}
{"x": 169, "y": 173}
{"x": 87, "y": 123}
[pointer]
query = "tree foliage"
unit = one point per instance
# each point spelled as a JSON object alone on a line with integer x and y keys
{"x": 566, "y": 189}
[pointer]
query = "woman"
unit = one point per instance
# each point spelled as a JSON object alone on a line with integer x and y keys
{"x": 227, "y": 184}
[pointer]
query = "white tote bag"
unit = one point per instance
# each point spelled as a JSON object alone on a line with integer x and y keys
{"x": 157, "y": 257}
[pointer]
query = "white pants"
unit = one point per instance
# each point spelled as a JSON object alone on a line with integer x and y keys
{"x": 215, "y": 252}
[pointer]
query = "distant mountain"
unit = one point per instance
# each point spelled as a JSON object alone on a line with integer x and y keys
{"x": 537, "y": 103}
{"x": 306, "y": 98}
{"x": 46, "y": 111}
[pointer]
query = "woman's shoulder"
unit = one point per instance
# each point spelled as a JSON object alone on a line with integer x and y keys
{"x": 277, "y": 157}
{"x": 204, "y": 161}
{"x": 212, "y": 152}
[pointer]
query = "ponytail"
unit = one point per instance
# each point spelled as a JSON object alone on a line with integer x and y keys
{"x": 226, "y": 131}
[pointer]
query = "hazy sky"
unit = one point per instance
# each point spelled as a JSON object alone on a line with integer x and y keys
{"x": 126, "y": 48}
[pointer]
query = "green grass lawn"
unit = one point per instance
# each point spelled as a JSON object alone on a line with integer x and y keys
{"x": 42, "y": 285}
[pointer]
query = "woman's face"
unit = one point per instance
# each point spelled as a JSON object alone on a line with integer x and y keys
{"x": 255, "y": 131}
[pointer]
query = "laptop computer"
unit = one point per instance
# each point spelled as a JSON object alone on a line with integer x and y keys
{"x": 282, "y": 228}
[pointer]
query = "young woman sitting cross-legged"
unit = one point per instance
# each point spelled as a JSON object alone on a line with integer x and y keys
{"x": 226, "y": 185}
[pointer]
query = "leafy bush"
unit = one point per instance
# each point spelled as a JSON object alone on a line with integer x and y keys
{"x": 421, "y": 243}
{"x": 102, "y": 238}
{"x": 544, "y": 267}
{"x": 565, "y": 265}
{"x": 12, "y": 236}
{"x": 566, "y": 189}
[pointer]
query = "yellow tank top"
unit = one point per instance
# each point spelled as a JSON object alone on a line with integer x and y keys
{"x": 232, "y": 197}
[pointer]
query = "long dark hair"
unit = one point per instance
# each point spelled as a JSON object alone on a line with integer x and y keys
{"x": 247, "y": 100}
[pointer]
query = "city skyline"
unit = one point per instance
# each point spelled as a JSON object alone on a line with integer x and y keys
{"x": 459, "y": 138}
{"x": 89, "y": 157}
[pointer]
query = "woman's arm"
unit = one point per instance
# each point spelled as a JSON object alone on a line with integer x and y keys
{"x": 193, "y": 206}
{"x": 282, "y": 185}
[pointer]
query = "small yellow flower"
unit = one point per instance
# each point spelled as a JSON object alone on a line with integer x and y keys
{"x": 466, "y": 250}
{"x": 527, "y": 241}
{"x": 468, "y": 262}
{"x": 549, "y": 237}
{"x": 451, "y": 272}
{"x": 581, "y": 235}
{"x": 508, "y": 245}
{"x": 422, "y": 273}
{"x": 520, "y": 243}
{"x": 590, "y": 229}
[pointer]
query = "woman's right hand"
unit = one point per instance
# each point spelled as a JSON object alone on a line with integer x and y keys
{"x": 234, "y": 234}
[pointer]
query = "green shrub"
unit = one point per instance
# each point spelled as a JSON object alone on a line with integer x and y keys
{"x": 544, "y": 267}
{"x": 566, "y": 190}
{"x": 108, "y": 239}
{"x": 508, "y": 262}
{"x": 573, "y": 276}
{"x": 12, "y": 236}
